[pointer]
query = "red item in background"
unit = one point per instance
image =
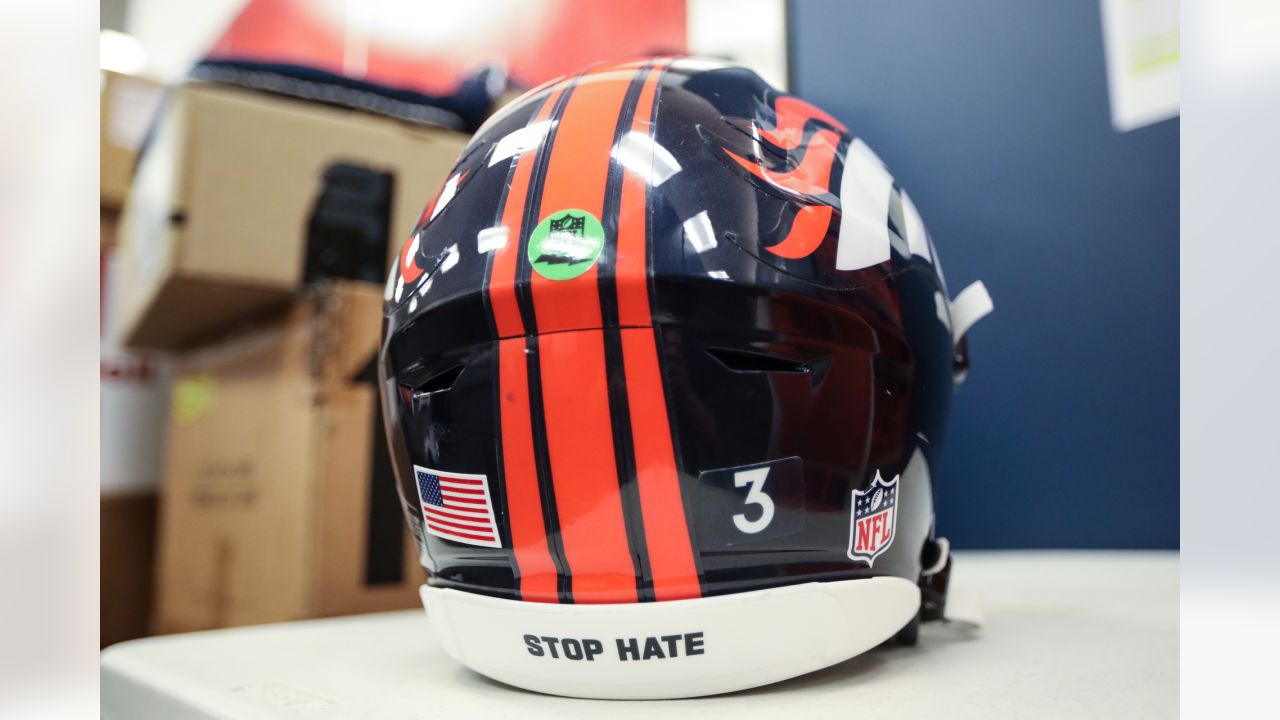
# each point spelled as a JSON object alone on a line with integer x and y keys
{"x": 430, "y": 46}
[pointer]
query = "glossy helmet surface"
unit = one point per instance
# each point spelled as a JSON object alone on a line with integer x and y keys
{"x": 667, "y": 333}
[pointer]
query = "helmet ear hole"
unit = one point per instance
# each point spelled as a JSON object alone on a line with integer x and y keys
{"x": 439, "y": 382}
{"x": 746, "y": 361}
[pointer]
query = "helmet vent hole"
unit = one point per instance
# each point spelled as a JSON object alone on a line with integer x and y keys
{"x": 438, "y": 382}
{"x": 746, "y": 361}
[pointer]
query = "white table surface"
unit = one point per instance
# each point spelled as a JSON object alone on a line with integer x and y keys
{"x": 1068, "y": 634}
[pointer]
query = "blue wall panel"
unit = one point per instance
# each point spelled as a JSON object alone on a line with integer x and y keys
{"x": 993, "y": 114}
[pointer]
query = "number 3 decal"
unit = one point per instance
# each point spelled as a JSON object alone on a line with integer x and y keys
{"x": 755, "y": 496}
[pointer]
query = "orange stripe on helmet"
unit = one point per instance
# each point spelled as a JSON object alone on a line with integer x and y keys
{"x": 502, "y": 279}
{"x": 577, "y": 173}
{"x": 632, "y": 274}
{"x": 575, "y": 393}
{"x": 536, "y": 569}
{"x": 575, "y": 402}
{"x": 671, "y": 559}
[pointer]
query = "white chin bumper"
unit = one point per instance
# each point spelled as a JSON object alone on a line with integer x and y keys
{"x": 673, "y": 649}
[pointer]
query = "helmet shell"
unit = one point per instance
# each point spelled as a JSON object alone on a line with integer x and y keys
{"x": 678, "y": 332}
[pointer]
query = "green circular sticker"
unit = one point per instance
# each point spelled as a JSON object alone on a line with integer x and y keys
{"x": 565, "y": 244}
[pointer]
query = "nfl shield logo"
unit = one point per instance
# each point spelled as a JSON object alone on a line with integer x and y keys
{"x": 570, "y": 224}
{"x": 874, "y": 518}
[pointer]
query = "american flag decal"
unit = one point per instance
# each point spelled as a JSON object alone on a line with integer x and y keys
{"x": 457, "y": 507}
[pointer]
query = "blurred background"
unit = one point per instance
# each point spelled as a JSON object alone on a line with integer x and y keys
{"x": 262, "y": 161}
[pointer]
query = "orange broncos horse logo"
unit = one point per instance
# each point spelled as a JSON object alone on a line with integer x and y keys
{"x": 806, "y": 140}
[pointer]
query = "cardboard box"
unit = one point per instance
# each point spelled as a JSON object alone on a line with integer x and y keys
{"x": 128, "y": 106}
{"x": 128, "y": 535}
{"x": 226, "y": 195}
{"x": 108, "y": 228}
{"x": 134, "y": 394}
{"x": 276, "y": 464}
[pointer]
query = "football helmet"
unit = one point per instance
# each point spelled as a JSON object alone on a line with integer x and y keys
{"x": 666, "y": 368}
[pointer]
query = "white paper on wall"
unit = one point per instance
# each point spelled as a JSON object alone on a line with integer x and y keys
{"x": 1142, "y": 41}
{"x": 749, "y": 32}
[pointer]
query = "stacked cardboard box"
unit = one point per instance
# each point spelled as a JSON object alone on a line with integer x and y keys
{"x": 128, "y": 106}
{"x": 134, "y": 404}
{"x": 133, "y": 388}
{"x": 217, "y": 227}
{"x": 277, "y": 501}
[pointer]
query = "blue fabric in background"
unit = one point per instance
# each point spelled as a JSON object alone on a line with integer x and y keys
{"x": 994, "y": 116}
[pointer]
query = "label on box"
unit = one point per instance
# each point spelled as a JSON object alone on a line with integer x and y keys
{"x": 132, "y": 104}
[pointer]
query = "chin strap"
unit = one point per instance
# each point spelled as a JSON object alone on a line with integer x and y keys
{"x": 938, "y": 602}
{"x": 971, "y": 305}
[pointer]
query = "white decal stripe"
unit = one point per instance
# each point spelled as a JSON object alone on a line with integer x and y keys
{"x": 971, "y": 305}
{"x": 518, "y": 141}
{"x": 638, "y": 153}
{"x": 937, "y": 262}
{"x": 491, "y": 239}
{"x": 916, "y": 238}
{"x": 865, "y": 189}
{"x": 699, "y": 233}
{"x": 389, "y": 291}
{"x": 450, "y": 188}
{"x": 451, "y": 256}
